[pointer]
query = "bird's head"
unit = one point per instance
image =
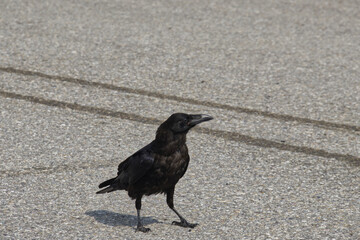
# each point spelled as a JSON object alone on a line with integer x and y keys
{"x": 182, "y": 123}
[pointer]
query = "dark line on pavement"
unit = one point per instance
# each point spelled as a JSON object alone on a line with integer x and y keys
{"x": 233, "y": 136}
{"x": 78, "y": 107}
{"x": 283, "y": 117}
{"x": 57, "y": 169}
{"x": 50, "y": 170}
{"x": 261, "y": 142}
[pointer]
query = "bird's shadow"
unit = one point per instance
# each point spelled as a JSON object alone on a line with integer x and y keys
{"x": 117, "y": 219}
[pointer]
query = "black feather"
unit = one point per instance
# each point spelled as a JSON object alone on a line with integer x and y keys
{"x": 106, "y": 183}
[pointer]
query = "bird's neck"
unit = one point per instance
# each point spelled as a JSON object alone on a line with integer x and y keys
{"x": 167, "y": 142}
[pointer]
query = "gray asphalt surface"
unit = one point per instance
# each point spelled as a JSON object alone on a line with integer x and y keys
{"x": 85, "y": 84}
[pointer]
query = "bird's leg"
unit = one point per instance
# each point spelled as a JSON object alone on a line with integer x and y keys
{"x": 170, "y": 202}
{"x": 140, "y": 227}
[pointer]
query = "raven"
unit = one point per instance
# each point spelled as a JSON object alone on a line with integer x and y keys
{"x": 157, "y": 167}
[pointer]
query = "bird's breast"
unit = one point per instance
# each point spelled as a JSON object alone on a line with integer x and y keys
{"x": 165, "y": 172}
{"x": 174, "y": 164}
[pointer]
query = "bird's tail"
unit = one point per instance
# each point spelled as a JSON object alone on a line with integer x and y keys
{"x": 104, "y": 184}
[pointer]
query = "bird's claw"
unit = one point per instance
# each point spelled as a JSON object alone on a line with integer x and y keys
{"x": 142, "y": 229}
{"x": 185, "y": 224}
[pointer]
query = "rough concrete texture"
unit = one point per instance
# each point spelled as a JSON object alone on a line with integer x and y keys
{"x": 84, "y": 84}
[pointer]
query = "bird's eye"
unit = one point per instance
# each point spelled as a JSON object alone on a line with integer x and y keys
{"x": 182, "y": 124}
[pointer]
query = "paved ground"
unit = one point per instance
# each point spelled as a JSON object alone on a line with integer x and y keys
{"x": 85, "y": 84}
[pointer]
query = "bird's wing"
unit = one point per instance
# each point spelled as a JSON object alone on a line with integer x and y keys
{"x": 137, "y": 165}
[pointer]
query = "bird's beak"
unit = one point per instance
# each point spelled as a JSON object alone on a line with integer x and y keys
{"x": 199, "y": 118}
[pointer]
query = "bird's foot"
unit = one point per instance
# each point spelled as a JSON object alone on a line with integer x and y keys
{"x": 142, "y": 229}
{"x": 185, "y": 224}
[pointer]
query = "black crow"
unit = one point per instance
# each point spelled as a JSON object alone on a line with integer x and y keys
{"x": 157, "y": 167}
